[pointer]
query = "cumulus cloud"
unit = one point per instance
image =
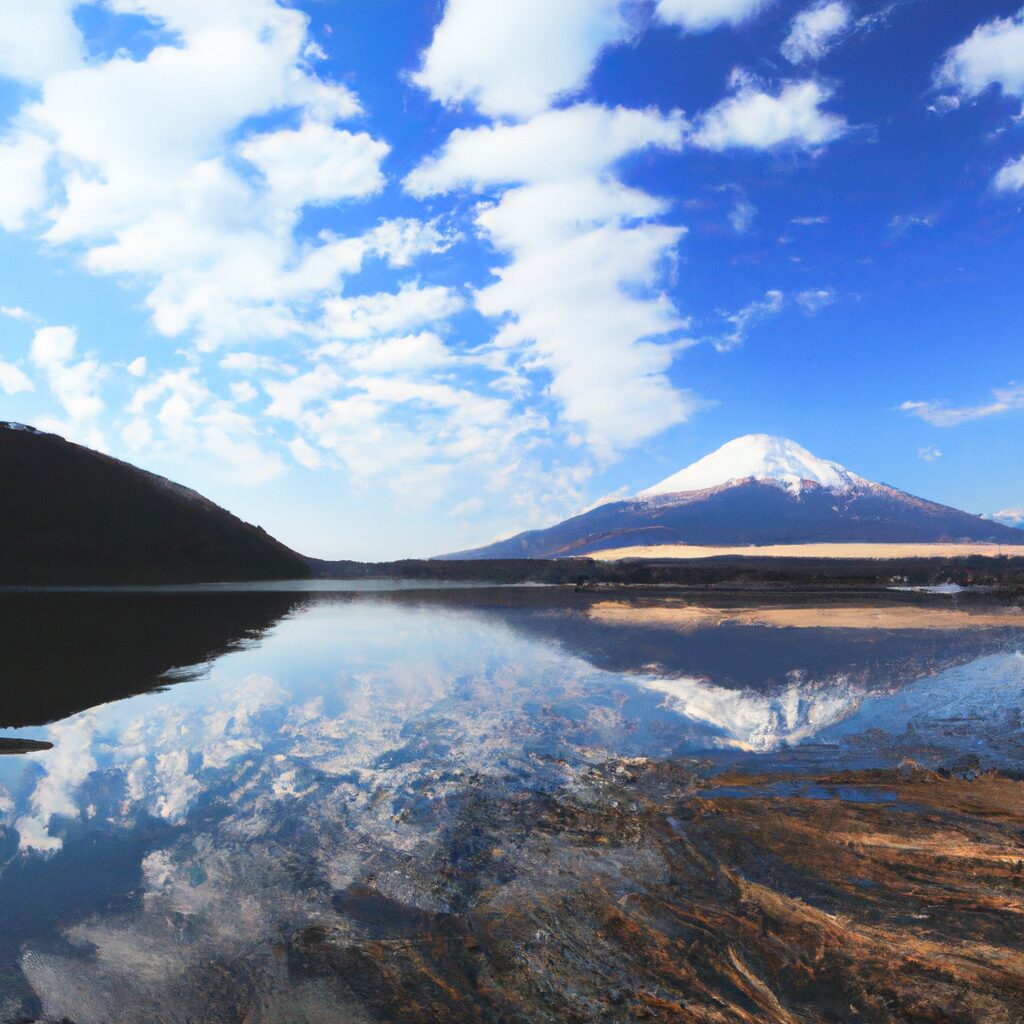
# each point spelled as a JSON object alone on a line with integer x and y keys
{"x": 34, "y": 47}
{"x": 753, "y": 118}
{"x": 23, "y": 157}
{"x": 557, "y": 145}
{"x": 155, "y": 174}
{"x": 993, "y": 55}
{"x": 317, "y": 164}
{"x": 1011, "y": 176}
{"x": 382, "y": 313}
{"x": 942, "y": 414}
{"x": 75, "y": 384}
{"x": 579, "y": 296}
{"x": 177, "y": 412}
{"x": 929, "y": 453}
{"x": 815, "y": 31}
{"x": 290, "y": 397}
{"x": 64, "y": 769}
{"x": 702, "y": 15}
{"x": 513, "y": 59}
{"x": 13, "y": 380}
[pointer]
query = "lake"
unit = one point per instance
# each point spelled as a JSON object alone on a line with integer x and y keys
{"x": 358, "y": 803}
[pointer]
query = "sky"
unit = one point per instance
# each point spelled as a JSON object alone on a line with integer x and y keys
{"x": 400, "y": 277}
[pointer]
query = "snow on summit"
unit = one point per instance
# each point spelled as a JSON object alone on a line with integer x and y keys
{"x": 761, "y": 457}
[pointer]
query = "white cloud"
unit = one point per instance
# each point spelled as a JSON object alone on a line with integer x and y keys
{"x": 137, "y": 367}
{"x": 23, "y": 159}
{"x": 513, "y": 59}
{"x": 808, "y": 221}
{"x": 1011, "y": 176}
{"x": 557, "y": 145}
{"x": 147, "y": 178}
{"x": 64, "y": 769}
{"x": 579, "y": 298}
{"x": 754, "y": 119}
{"x": 177, "y": 413}
{"x": 815, "y": 31}
{"x": 814, "y": 300}
{"x": 242, "y": 392}
{"x": 367, "y": 316}
{"x": 408, "y": 354}
{"x": 252, "y": 362}
{"x": 35, "y": 44}
{"x": 317, "y": 164}
{"x": 701, "y": 15}
{"x": 901, "y": 223}
{"x": 292, "y": 396}
{"x": 13, "y": 380}
{"x": 305, "y": 454}
{"x": 929, "y": 453}
{"x": 992, "y": 55}
{"x": 402, "y": 239}
{"x": 745, "y": 318}
{"x": 1011, "y": 515}
{"x": 585, "y": 309}
{"x": 741, "y": 216}
{"x": 942, "y": 414}
{"x": 17, "y": 313}
{"x": 74, "y": 384}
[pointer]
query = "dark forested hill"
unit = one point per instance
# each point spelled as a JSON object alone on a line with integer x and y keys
{"x": 71, "y": 515}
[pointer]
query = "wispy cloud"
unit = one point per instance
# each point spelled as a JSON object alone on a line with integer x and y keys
{"x": 901, "y": 223}
{"x": 815, "y": 31}
{"x": 942, "y": 414}
{"x": 1013, "y": 515}
{"x": 741, "y": 216}
{"x": 813, "y": 300}
{"x": 744, "y": 319}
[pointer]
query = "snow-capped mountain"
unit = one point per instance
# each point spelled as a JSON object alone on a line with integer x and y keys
{"x": 756, "y": 490}
{"x": 758, "y": 457}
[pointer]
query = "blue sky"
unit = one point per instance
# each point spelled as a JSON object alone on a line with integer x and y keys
{"x": 393, "y": 278}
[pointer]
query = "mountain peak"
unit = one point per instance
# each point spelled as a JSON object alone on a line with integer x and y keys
{"x": 762, "y": 457}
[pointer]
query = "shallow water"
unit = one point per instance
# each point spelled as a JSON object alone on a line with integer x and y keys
{"x": 261, "y": 761}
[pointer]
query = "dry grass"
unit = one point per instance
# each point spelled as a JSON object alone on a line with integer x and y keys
{"x": 879, "y": 551}
{"x": 686, "y": 617}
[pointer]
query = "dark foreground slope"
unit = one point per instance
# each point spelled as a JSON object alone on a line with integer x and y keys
{"x": 71, "y": 515}
{"x": 754, "y": 513}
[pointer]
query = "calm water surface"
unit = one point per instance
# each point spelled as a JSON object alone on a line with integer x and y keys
{"x": 260, "y": 757}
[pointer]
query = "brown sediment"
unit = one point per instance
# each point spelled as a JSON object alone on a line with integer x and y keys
{"x": 686, "y": 617}
{"x": 637, "y": 896}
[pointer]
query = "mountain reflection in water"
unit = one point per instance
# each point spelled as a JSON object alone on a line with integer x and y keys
{"x": 295, "y": 770}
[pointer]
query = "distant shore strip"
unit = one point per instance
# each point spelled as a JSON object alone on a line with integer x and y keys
{"x": 831, "y": 550}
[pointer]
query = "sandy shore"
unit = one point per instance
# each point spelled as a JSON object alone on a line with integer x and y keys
{"x": 879, "y": 551}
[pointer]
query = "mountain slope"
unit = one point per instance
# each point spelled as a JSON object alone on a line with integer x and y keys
{"x": 71, "y": 515}
{"x": 755, "y": 490}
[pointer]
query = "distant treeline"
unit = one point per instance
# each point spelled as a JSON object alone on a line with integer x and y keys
{"x": 1005, "y": 573}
